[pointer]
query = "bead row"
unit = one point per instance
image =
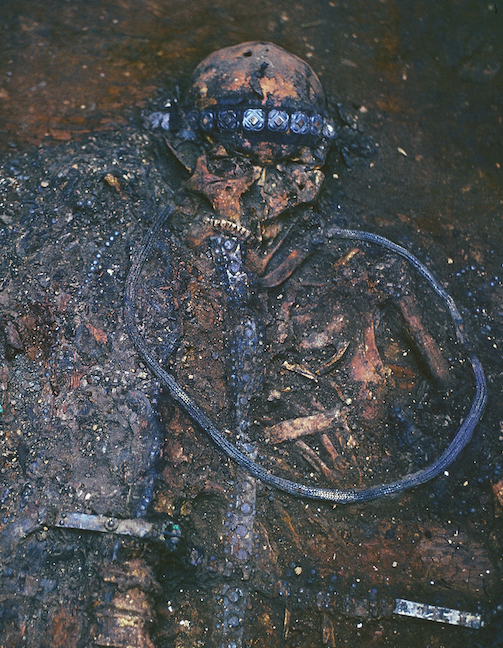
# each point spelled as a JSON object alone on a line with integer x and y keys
{"x": 253, "y": 120}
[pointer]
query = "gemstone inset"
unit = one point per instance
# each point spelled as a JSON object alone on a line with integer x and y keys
{"x": 299, "y": 123}
{"x": 228, "y": 120}
{"x": 254, "y": 119}
{"x": 316, "y": 124}
{"x": 277, "y": 121}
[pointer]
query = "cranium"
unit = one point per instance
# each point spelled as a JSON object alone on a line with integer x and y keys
{"x": 261, "y": 115}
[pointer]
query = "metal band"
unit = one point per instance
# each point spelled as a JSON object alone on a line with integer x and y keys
{"x": 251, "y": 120}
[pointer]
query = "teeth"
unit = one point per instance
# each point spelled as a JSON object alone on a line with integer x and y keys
{"x": 230, "y": 226}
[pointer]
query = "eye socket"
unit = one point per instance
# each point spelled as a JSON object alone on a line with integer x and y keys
{"x": 247, "y": 54}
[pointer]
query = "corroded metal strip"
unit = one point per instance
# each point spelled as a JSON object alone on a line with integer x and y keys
{"x": 437, "y": 613}
{"x": 137, "y": 527}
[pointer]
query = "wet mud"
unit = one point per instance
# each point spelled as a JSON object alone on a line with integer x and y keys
{"x": 361, "y": 379}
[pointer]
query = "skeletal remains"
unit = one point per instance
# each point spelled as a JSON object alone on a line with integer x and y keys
{"x": 283, "y": 372}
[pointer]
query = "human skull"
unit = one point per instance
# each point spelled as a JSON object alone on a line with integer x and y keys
{"x": 261, "y": 115}
{"x": 258, "y": 99}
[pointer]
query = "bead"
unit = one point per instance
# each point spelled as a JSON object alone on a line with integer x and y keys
{"x": 234, "y": 594}
{"x": 207, "y": 120}
{"x": 242, "y": 532}
{"x": 154, "y": 120}
{"x": 316, "y": 124}
{"x": 234, "y": 267}
{"x": 254, "y": 119}
{"x": 299, "y": 123}
{"x": 233, "y": 621}
{"x": 329, "y": 129}
{"x": 277, "y": 121}
{"x": 228, "y": 120}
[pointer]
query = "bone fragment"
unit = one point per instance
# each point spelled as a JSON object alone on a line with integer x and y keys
{"x": 314, "y": 460}
{"x": 280, "y": 274}
{"x": 497, "y": 490}
{"x": 319, "y": 340}
{"x": 329, "y": 447}
{"x": 299, "y": 427}
{"x": 286, "y": 624}
{"x": 345, "y": 259}
{"x": 331, "y": 362}
{"x": 327, "y": 632}
{"x": 425, "y": 342}
{"x": 301, "y": 370}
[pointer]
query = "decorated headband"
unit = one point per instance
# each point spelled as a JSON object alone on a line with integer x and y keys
{"x": 251, "y": 120}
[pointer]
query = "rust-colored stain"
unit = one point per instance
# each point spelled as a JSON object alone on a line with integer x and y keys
{"x": 66, "y": 628}
{"x": 99, "y": 335}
